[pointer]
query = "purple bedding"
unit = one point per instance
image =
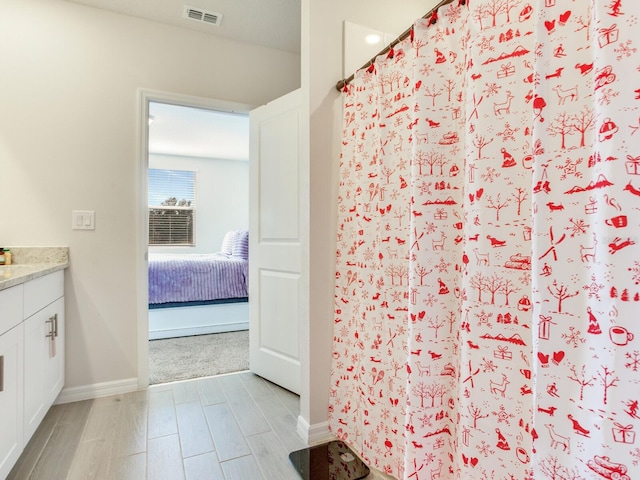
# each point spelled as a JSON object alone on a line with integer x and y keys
{"x": 196, "y": 277}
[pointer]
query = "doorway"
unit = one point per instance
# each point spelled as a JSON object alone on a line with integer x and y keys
{"x": 152, "y": 106}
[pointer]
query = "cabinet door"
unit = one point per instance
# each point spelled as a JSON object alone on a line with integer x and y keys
{"x": 43, "y": 363}
{"x": 11, "y": 433}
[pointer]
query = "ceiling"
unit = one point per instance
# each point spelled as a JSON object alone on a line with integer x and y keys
{"x": 270, "y": 23}
{"x": 194, "y": 132}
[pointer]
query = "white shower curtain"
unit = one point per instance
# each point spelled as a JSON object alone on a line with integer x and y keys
{"x": 487, "y": 315}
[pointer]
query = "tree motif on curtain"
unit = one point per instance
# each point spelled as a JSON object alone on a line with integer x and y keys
{"x": 488, "y": 260}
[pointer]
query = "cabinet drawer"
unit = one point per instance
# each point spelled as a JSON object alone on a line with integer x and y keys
{"x": 11, "y": 307}
{"x": 40, "y": 292}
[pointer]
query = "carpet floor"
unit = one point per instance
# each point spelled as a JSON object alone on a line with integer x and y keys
{"x": 174, "y": 359}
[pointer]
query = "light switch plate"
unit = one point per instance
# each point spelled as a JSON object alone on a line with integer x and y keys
{"x": 83, "y": 220}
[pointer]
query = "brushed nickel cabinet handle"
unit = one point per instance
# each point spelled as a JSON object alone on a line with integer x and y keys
{"x": 55, "y": 324}
{"x": 1, "y": 373}
{"x": 51, "y": 333}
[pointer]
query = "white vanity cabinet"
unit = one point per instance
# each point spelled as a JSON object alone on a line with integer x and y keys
{"x": 31, "y": 360}
{"x": 11, "y": 378}
{"x": 43, "y": 347}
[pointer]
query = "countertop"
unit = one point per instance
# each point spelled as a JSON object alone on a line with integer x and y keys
{"x": 29, "y": 263}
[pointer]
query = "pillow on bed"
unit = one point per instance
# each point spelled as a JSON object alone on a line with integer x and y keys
{"x": 240, "y": 247}
{"x": 228, "y": 241}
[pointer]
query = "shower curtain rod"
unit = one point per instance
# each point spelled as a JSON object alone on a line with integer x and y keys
{"x": 342, "y": 83}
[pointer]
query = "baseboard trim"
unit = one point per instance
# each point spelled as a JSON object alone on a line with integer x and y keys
{"x": 314, "y": 434}
{"x": 204, "y": 330}
{"x": 88, "y": 392}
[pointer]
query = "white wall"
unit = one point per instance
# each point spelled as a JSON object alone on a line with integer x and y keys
{"x": 322, "y": 68}
{"x": 68, "y": 140}
{"x": 222, "y": 198}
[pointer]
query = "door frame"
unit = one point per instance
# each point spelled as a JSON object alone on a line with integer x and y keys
{"x": 145, "y": 97}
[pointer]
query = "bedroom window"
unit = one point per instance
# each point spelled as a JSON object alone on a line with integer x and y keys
{"x": 171, "y": 207}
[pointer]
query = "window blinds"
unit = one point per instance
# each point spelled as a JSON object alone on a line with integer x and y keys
{"x": 171, "y": 207}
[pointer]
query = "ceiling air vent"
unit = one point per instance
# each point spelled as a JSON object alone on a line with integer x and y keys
{"x": 201, "y": 15}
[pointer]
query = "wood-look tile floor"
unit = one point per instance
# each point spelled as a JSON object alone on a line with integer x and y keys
{"x": 230, "y": 427}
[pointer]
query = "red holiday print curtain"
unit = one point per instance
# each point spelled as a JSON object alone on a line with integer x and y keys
{"x": 488, "y": 246}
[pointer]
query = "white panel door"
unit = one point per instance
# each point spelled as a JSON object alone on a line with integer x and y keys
{"x": 276, "y": 241}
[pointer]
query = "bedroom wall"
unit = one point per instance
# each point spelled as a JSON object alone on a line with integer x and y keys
{"x": 222, "y": 198}
{"x": 322, "y": 68}
{"x": 68, "y": 140}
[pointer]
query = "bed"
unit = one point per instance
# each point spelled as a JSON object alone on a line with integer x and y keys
{"x": 194, "y": 294}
